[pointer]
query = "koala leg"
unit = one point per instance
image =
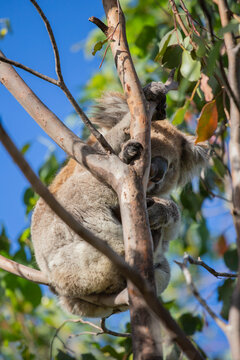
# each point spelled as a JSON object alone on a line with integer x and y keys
{"x": 77, "y": 306}
{"x": 164, "y": 219}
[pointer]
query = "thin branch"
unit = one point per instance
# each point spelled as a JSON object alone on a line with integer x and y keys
{"x": 75, "y": 321}
{"x": 100, "y": 138}
{"x": 208, "y": 17}
{"x": 215, "y": 273}
{"x": 227, "y": 85}
{"x": 189, "y": 16}
{"x": 28, "y": 69}
{"x": 178, "y": 17}
{"x": 52, "y": 39}
{"x": 212, "y": 194}
{"x": 99, "y": 24}
{"x": 23, "y": 271}
{"x": 195, "y": 292}
{"x": 105, "y": 330}
{"x": 181, "y": 23}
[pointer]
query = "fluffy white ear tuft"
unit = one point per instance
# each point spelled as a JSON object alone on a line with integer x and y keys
{"x": 109, "y": 110}
{"x": 194, "y": 158}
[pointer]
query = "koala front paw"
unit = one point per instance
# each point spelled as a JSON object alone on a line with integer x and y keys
{"x": 131, "y": 151}
{"x": 162, "y": 213}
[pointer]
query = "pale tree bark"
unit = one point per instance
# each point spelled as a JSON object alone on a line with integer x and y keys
{"x": 128, "y": 181}
{"x": 131, "y": 192}
{"x": 233, "y": 53}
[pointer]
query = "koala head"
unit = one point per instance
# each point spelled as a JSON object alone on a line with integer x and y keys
{"x": 175, "y": 158}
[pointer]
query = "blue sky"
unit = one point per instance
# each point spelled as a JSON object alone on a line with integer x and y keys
{"x": 29, "y": 44}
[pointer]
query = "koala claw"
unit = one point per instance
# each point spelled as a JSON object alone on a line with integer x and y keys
{"x": 162, "y": 212}
{"x": 131, "y": 151}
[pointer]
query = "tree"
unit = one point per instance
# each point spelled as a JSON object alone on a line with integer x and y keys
{"x": 205, "y": 57}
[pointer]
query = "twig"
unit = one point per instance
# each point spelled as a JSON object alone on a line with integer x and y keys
{"x": 100, "y": 138}
{"x": 99, "y": 24}
{"x": 215, "y": 273}
{"x": 183, "y": 6}
{"x": 211, "y": 193}
{"x": 181, "y": 23}
{"x": 70, "y": 321}
{"x": 110, "y": 332}
{"x": 105, "y": 30}
{"x": 52, "y": 39}
{"x": 227, "y": 85}
{"x": 183, "y": 266}
{"x": 28, "y": 69}
{"x": 208, "y": 19}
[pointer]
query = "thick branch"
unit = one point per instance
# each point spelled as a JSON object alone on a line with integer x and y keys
{"x": 233, "y": 54}
{"x": 131, "y": 192}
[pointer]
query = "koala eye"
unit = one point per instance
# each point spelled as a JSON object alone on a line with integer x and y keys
{"x": 159, "y": 167}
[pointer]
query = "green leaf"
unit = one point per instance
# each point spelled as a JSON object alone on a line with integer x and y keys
{"x": 207, "y": 122}
{"x": 169, "y": 39}
{"x": 111, "y": 351}
{"x": 163, "y": 45}
{"x": 180, "y": 113}
{"x": 202, "y": 46}
{"x": 218, "y": 167}
{"x": 25, "y": 148}
{"x": 25, "y": 235}
{"x": 98, "y": 46}
{"x": 172, "y": 57}
{"x": 176, "y": 38}
{"x": 190, "y": 69}
{"x": 88, "y": 356}
{"x": 145, "y": 37}
{"x": 187, "y": 44}
{"x": 231, "y": 257}
{"x": 4, "y": 241}
{"x": 190, "y": 323}
{"x": 63, "y": 356}
{"x": 232, "y": 26}
{"x": 30, "y": 198}
{"x": 213, "y": 57}
{"x": 225, "y": 292}
{"x": 191, "y": 201}
{"x": 48, "y": 169}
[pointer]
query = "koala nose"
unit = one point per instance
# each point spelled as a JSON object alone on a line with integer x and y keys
{"x": 158, "y": 169}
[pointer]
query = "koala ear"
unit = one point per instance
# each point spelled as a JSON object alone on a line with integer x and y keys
{"x": 194, "y": 157}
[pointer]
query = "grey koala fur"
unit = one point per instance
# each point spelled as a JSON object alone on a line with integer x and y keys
{"x": 73, "y": 267}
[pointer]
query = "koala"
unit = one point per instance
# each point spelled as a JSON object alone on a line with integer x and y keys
{"x": 73, "y": 267}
